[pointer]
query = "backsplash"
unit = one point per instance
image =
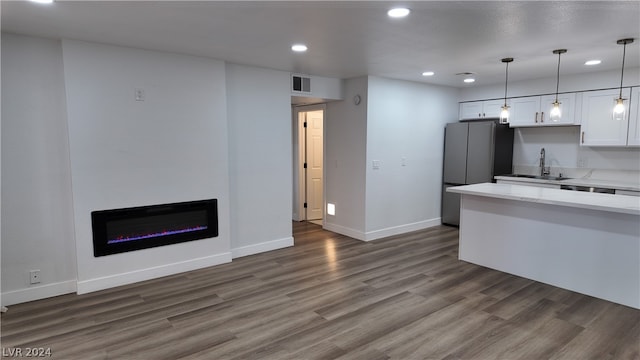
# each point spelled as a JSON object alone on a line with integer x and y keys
{"x": 564, "y": 155}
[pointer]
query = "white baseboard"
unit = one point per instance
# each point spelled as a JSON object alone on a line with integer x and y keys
{"x": 401, "y": 229}
{"x": 106, "y": 282}
{"x": 261, "y": 247}
{"x": 382, "y": 233}
{"x": 38, "y": 292}
{"x": 356, "y": 234}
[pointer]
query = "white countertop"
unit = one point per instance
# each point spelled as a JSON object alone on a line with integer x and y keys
{"x": 609, "y": 184}
{"x": 579, "y": 199}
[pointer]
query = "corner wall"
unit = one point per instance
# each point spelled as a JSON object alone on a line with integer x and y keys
{"x": 396, "y": 122}
{"x": 405, "y": 135}
{"x": 37, "y": 211}
{"x": 345, "y": 160}
{"x": 260, "y": 159}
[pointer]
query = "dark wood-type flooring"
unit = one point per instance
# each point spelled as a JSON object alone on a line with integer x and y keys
{"x": 332, "y": 297}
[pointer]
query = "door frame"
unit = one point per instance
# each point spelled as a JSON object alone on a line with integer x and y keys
{"x": 299, "y": 149}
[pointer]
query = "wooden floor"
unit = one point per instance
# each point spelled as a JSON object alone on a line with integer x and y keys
{"x": 331, "y": 297}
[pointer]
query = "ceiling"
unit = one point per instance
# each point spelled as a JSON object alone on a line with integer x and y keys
{"x": 350, "y": 39}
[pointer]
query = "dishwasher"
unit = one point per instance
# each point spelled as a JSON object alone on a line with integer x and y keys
{"x": 588, "y": 189}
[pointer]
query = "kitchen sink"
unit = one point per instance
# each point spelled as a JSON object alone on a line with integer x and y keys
{"x": 541, "y": 177}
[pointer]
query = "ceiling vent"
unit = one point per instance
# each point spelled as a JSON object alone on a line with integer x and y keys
{"x": 301, "y": 84}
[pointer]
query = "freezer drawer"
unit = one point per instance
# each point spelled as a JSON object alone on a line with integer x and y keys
{"x": 450, "y": 207}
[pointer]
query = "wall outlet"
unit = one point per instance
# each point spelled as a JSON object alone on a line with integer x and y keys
{"x": 582, "y": 162}
{"x": 34, "y": 276}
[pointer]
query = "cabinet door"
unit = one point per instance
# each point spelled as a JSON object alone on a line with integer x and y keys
{"x": 567, "y": 108}
{"x": 470, "y": 110}
{"x": 492, "y": 108}
{"x": 598, "y": 127}
{"x": 633, "y": 138}
{"x": 525, "y": 111}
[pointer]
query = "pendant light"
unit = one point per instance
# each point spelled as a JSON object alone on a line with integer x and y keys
{"x": 556, "y": 113}
{"x": 619, "y": 109}
{"x": 504, "y": 114}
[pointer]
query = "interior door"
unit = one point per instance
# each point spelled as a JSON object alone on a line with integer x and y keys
{"x": 314, "y": 157}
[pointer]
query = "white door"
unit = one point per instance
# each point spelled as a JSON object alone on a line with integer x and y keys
{"x": 314, "y": 161}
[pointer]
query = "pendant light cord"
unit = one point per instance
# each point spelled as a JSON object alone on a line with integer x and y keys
{"x": 558, "y": 77}
{"x": 624, "y": 53}
{"x": 506, "y": 82}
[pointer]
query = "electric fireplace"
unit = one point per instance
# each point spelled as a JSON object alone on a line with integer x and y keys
{"x": 121, "y": 230}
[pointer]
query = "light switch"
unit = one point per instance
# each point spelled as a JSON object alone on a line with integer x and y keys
{"x": 139, "y": 94}
{"x": 376, "y": 164}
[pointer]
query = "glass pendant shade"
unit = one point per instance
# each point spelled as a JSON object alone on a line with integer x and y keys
{"x": 555, "y": 113}
{"x": 504, "y": 115}
{"x": 619, "y": 110}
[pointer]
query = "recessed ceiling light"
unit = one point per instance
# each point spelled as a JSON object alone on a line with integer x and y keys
{"x": 592, "y": 62}
{"x": 42, "y": 1}
{"x": 299, "y": 48}
{"x": 469, "y": 80}
{"x": 398, "y": 12}
{"x": 428, "y": 73}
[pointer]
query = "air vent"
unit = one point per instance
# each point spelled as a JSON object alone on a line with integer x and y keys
{"x": 301, "y": 84}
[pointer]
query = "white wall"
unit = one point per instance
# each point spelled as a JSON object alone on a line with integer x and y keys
{"x": 172, "y": 147}
{"x": 405, "y": 120}
{"x": 345, "y": 160}
{"x": 561, "y": 144}
{"x": 565, "y": 155}
{"x": 259, "y": 111}
{"x": 395, "y": 120}
{"x": 37, "y": 213}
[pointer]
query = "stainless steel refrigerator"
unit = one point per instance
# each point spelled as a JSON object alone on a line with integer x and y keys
{"x": 474, "y": 152}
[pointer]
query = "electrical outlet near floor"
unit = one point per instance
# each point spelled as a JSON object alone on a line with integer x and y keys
{"x": 34, "y": 276}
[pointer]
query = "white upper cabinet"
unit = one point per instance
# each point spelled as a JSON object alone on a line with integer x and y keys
{"x": 488, "y": 109}
{"x": 598, "y": 127}
{"x": 535, "y": 110}
{"x": 633, "y": 137}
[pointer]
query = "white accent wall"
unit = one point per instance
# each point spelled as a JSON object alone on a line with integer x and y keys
{"x": 206, "y": 129}
{"x": 260, "y": 165}
{"x": 171, "y": 147}
{"x": 37, "y": 213}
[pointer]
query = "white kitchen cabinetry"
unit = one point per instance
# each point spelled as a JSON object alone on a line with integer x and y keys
{"x": 480, "y": 109}
{"x": 598, "y": 127}
{"x": 633, "y": 137}
{"x": 535, "y": 110}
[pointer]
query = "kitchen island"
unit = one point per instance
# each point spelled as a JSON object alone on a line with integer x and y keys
{"x": 580, "y": 241}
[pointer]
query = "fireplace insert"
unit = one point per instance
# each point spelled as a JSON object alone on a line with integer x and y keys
{"x": 128, "y": 229}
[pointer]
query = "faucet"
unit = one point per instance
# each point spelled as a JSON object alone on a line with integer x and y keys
{"x": 543, "y": 170}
